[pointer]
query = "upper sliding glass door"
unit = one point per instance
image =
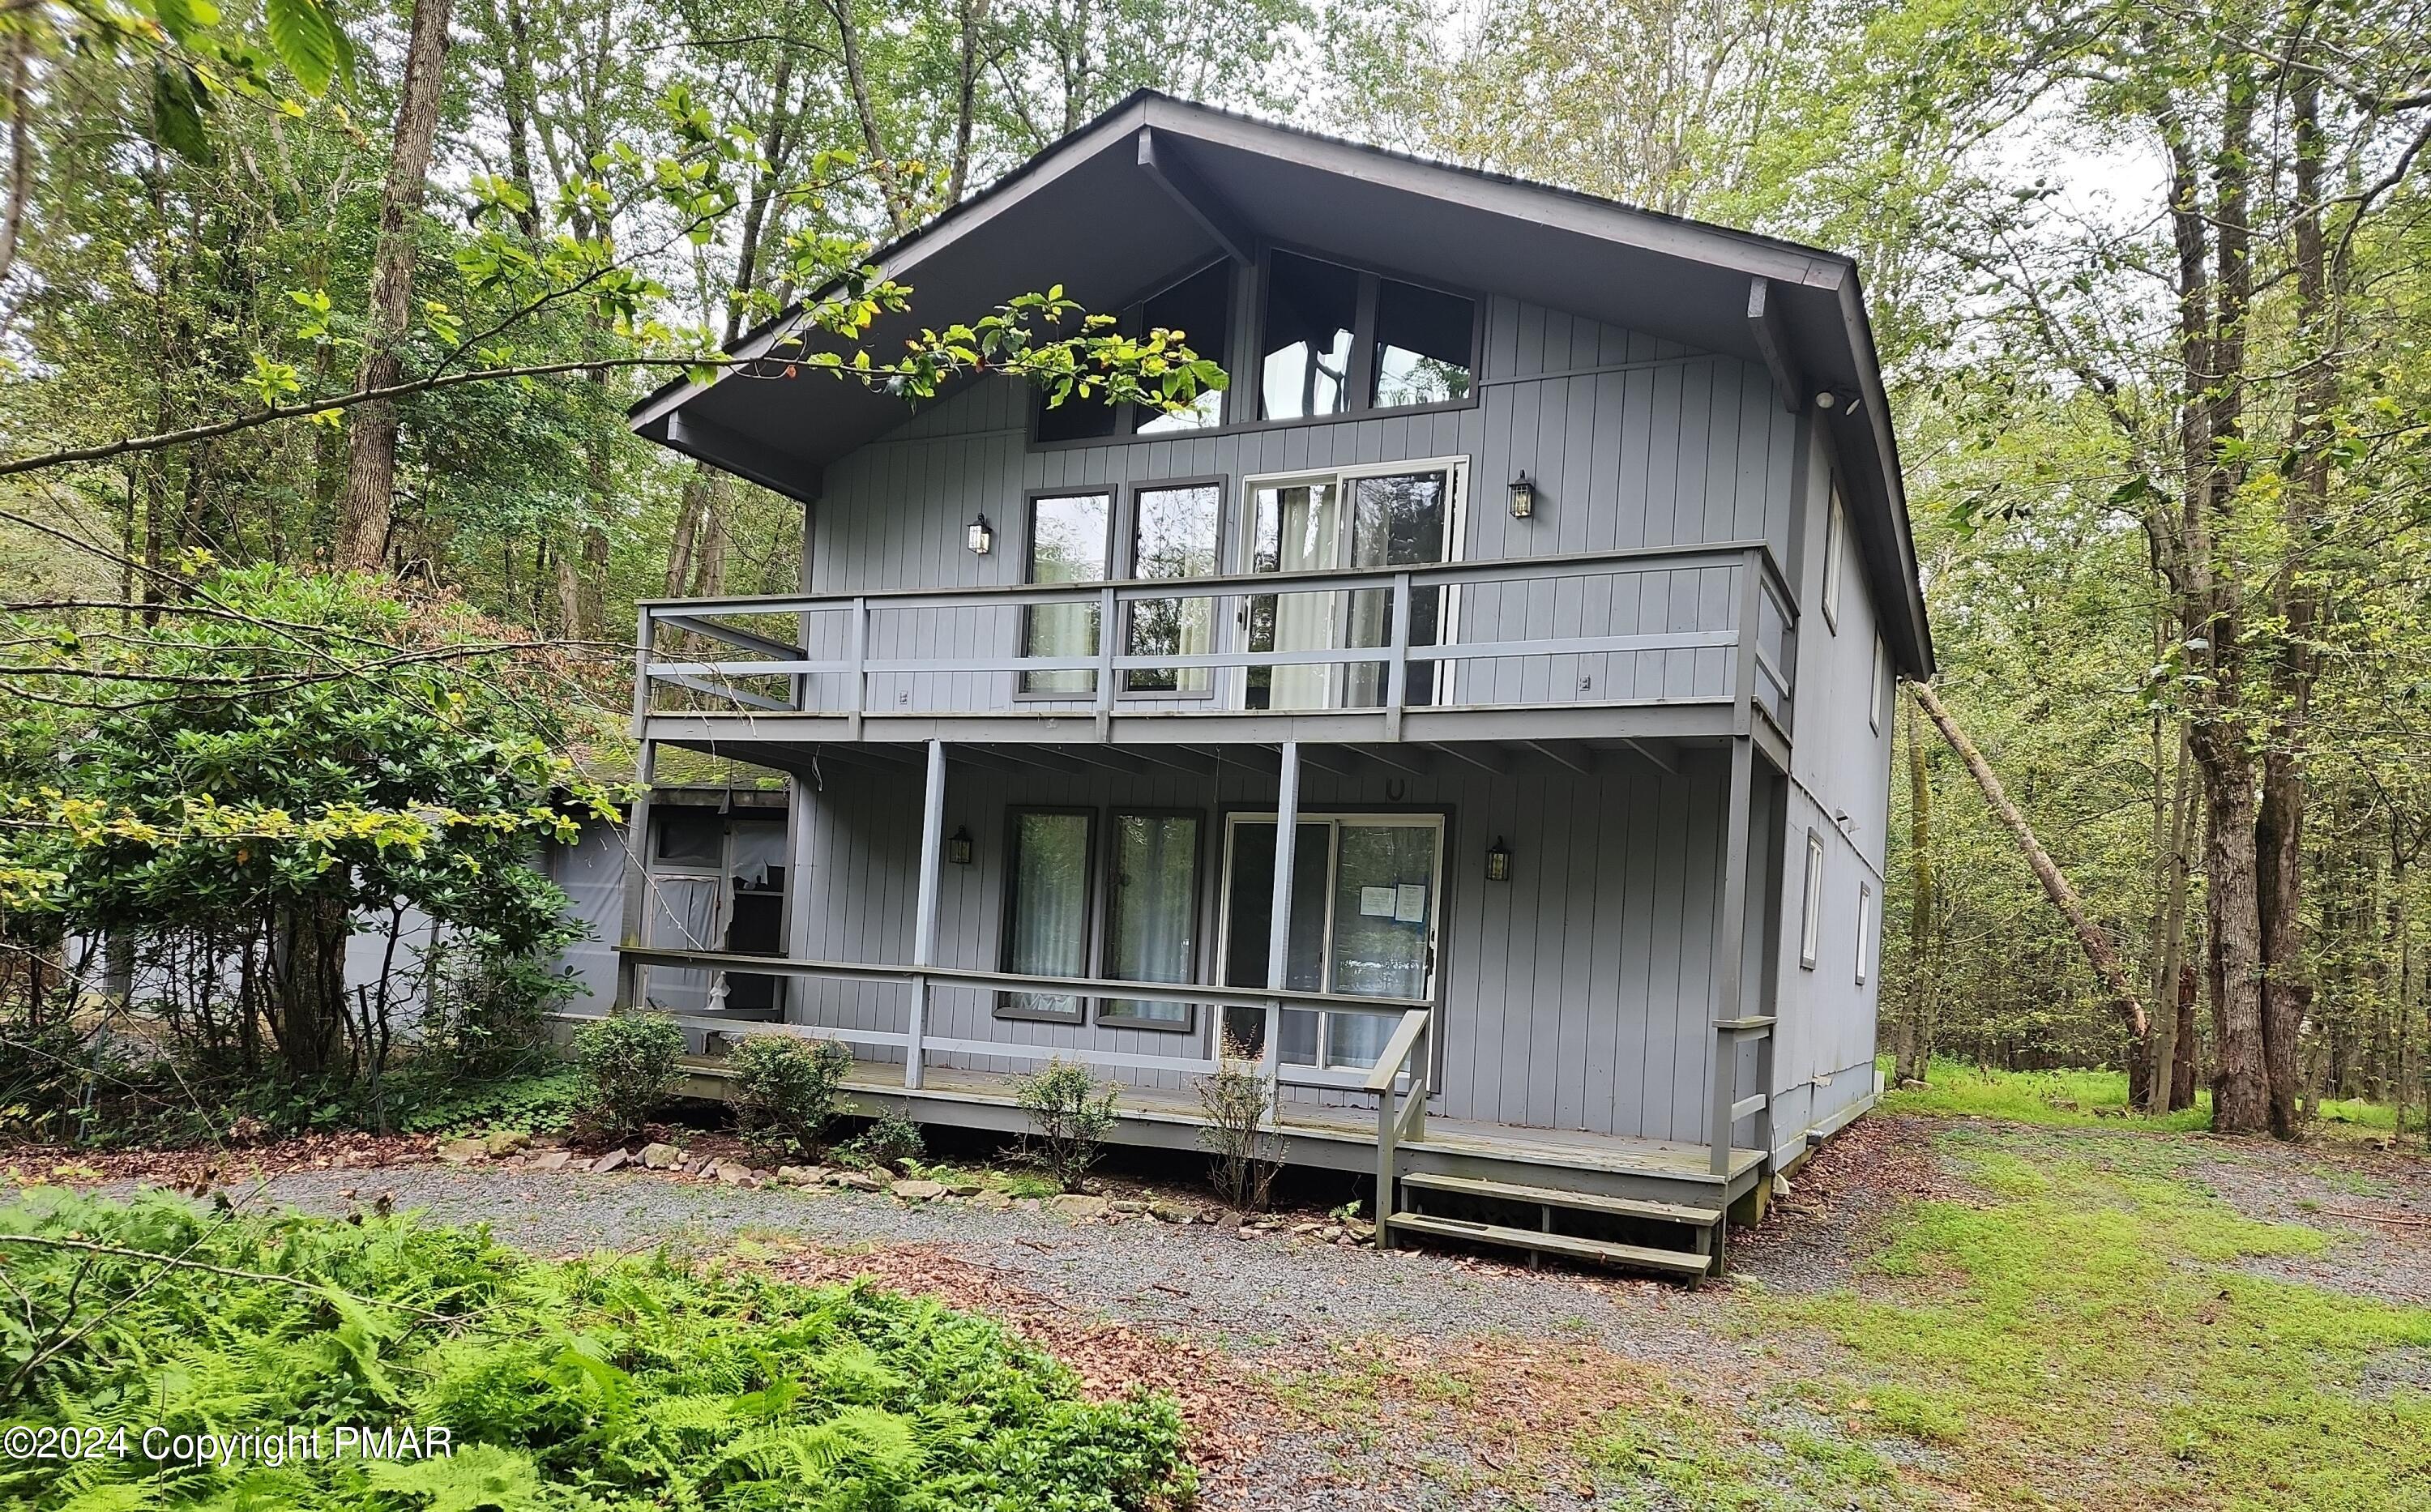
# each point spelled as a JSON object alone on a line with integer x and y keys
{"x": 1364, "y": 898}
{"x": 1404, "y": 515}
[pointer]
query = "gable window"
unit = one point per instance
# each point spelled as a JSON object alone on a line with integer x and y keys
{"x": 1832, "y": 564}
{"x": 1865, "y": 927}
{"x": 1312, "y": 309}
{"x": 1882, "y": 685}
{"x": 1175, "y": 529}
{"x": 1810, "y": 925}
{"x": 1151, "y": 911}
{"x": 1047, "y": 907}
{"x": 1067, "y": 544}
{"x": 1336, "y": 340}
{"x": 1201, "y": 308}
{"x": 1422, "y": 341}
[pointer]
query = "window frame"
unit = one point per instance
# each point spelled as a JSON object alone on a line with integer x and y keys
{"x": 1810, "y": 909}
{"x": 1833, "y": 520}
{"x": 1123, "y": 566}
{"x": 1864, "y": 922}
{"x": 1101, "y": 1012}
{"x": 1113, "y": 493}
{"x": 1013, "y": 815}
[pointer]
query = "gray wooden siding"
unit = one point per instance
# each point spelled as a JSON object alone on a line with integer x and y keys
{"x": 1576, "y": 995}
{"x": 1840, "y": 766}
{"x": 1632, "y": 443}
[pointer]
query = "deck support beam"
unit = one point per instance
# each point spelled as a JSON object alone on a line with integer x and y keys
{"x": 924, "y": 934}
{"x": 1731, "y": 941}
{"x": 1278, "y": 918}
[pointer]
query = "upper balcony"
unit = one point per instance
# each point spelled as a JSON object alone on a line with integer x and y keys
{"x": 1650, "y": 644}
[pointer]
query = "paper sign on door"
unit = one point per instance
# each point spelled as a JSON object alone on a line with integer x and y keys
{"x": 1410, "y": 903}
{"x": 1376, "y": 902}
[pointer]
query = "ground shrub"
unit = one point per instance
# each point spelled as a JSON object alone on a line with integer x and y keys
{"x": 891, "y": 1140}
{"x": 1069, "y": 1114}
{"x": 542, "y": 1102}
{"x": 631, "y": 1061}
{"x": 1245, "y": 1157}
{"x": 611, "y": 1384}
{"x": 785, "y": 1093}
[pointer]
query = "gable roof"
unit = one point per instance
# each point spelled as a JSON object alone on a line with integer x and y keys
{"x": 1157, "y": 185}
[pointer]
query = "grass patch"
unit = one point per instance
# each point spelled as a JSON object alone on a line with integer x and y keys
{"x": 2087, "y": 1317}
{"x": 601, "y": 1384}
{"x": 1954, "y": 1089}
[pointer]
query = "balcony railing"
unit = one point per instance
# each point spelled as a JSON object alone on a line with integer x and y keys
{"x": 1656, "y": 626}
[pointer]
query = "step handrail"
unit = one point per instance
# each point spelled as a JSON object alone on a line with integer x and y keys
{"x": 1398, "y": 1121}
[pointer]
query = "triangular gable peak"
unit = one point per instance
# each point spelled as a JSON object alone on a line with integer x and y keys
{"x": 1157, "y": 187}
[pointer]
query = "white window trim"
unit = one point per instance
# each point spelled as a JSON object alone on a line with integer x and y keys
{"x": 1810, "y": 929}
{"x": 1832, "y": 563}
{"x": 1865, "y": 926}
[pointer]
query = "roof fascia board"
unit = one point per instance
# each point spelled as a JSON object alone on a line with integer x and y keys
{"x": 1606, "y": 220}
{"x": 1877, "y": 417}
{"x": 901, "y": 257}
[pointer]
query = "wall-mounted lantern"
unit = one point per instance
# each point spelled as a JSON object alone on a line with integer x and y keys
{"x": 1523, "y": 496}
{"x": 1498, "y": 861}
{"x": 982, "y": 536}
{"x": 958, "y": 845}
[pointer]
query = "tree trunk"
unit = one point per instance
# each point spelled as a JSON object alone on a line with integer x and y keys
{"x": 2239, "y": 1090}
{"x": 2186, "y": 1071}
{"x": 2089, "y": 938}
{"x": 1915, "y": 1044}
{"x": 967, "y": 79}
{"x": 2172, "y": 952}
{"x": 371, "y": 429}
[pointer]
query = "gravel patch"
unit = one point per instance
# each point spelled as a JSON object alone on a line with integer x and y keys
{"x": 2378, "y": 1206}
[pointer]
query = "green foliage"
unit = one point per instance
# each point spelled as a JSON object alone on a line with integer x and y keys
{"x": 785, "y": 1092}
{"x": 1069, "y": 1114}
{"x": 891, "y": 1140}
{"x": 630, "y": 1062}
{"x": 2061, "y": 1098}
{"x": 485, "y": 1001}
{"x": 538, "y": 1102}
{"x": 606, "y": 1383}
{"x": 2013, "y": 1323}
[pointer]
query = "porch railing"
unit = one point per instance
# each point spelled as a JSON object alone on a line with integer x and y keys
{"x": 1404, "y": 1057}
{"x": 917, "y": 1045}
{"x": 1648, "y": 626}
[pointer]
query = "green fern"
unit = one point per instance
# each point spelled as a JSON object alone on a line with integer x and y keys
{"x": 478, "y": 1478}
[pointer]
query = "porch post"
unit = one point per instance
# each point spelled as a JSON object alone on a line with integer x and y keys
{"x": 1731, "y": 940}
{"x": 1278, "y": 918}
{"x": 636, "y": 901}
{"x": 924, "y": 936}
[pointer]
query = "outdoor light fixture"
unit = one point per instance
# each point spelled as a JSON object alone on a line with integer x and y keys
{"x": 1498, "y": 861}
{"x": 1523, "y": 496}
{"x": 982, "y": 536}
{"x": 958, "y": 845}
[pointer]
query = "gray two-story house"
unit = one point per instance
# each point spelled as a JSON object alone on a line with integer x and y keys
{"x": 1477, "y": 714}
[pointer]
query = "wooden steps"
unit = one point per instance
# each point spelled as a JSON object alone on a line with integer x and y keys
{"x": 1703, "y": 1226}
{"x": 1557, "y": 1197}
{"x": 1638, "y": 1256}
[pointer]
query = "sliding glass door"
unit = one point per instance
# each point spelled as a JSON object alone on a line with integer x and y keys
{"x": 1404, "y": 515}
{"x": 1364, "y": 894}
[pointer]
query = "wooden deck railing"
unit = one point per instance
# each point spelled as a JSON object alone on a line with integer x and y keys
{"x": 857, "y": 655}
{"x": 1404, "y": 1058}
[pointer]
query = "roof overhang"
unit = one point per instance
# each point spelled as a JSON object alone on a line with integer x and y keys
{"x": 1157, "y": 186}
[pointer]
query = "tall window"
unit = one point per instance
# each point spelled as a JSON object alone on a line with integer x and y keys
{"x": 1067, "y": 544}
{"x": 1151, "y": 911}
{"x": 1422, "y": 342}
{"x": 1312, "y": 309}
{"x": 1810, "y": 928}
{"x": 1175, "y": 532}
{"x": 1832, "y": 563}
{"x": 1882, "y": 685}
{"x": 1047, "y": 908}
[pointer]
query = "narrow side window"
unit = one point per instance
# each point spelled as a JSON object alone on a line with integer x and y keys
{"x": 1865, "y": 927}
{"x": 1832, "y": 563}
{"x": 1882, "y": 685}
{"x": 1810, "y": 933}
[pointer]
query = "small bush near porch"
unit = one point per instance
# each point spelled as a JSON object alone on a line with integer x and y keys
{"x": 598, "y": 1384}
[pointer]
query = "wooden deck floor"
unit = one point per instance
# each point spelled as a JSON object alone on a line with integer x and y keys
{"x": 1333, "y": 1138}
